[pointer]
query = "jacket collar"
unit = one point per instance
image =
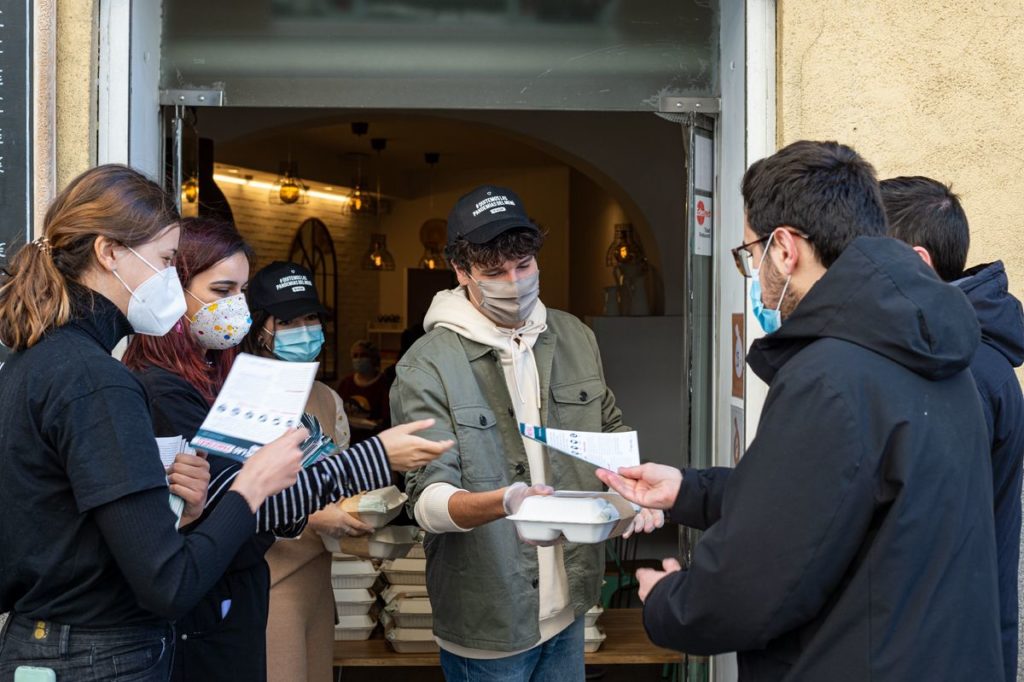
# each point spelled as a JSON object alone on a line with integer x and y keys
{"x": 544, "y": 353}
{"x": 98, "y": 317}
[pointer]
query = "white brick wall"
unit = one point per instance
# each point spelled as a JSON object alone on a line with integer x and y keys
{"x": 270, "y": 228}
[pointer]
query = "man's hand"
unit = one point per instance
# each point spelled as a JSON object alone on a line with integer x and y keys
{"x": 514, "y": 495}
{"x": 513, "y": 500}
{"x": 645, "y": 521}
{"x": 333, "y": 521}
{"x": 650, "y": 485}
{"x": 649, "y": 577}
{"x": 188, "y": 477}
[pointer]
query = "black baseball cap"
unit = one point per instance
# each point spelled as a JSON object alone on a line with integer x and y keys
{"x": 285, "y": 290}
{"x": 486, "y": 212}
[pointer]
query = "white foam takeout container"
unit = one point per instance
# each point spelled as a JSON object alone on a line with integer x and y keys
{"x": 393, "y": 542}
{"x": 591, "y": 616}
{"x": 579, "y": 516}
{"x": 406, "y": 571}
{"x": 593, "y": 638}
{"x": 375, "y": 507}
{"x": 353, "y": 628}
{"x": 353, "y": 602}
{"x": 411, "y": 612}
{"x": 353, "y": 575}
{"x": 408, "y": 640}
{"x": 393, "y": 592}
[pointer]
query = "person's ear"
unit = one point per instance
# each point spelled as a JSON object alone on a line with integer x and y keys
{"x": 786, "y": 248}
{"x": 105, "y": 251}
{"x": 925, "y": 256}
{"x": 461, "y": 275}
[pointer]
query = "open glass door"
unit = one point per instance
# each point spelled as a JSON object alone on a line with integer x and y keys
{"x": 699, "y": 137}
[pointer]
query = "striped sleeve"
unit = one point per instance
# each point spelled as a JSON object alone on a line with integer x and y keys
{"x": 364, "y": 466}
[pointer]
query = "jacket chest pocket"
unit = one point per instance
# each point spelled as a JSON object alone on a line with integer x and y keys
{"x": 578, "y": 405}
{"x": 482, "y": 459}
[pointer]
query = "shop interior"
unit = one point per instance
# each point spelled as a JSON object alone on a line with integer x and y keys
{"x": 359, "y": 193}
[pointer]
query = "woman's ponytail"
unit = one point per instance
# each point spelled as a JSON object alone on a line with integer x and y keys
{"x": 111, "y": 201}
{"x": 33, "y": 297}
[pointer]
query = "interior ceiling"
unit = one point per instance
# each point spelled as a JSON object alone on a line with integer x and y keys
{"x": 329, "y": 151}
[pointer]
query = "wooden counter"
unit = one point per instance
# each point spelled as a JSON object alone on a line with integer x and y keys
{"x": 626, "y": 643}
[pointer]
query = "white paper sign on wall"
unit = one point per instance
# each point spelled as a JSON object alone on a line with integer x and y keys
{"x": 703, "y": 224}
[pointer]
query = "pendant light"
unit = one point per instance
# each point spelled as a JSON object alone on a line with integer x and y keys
{"x": 377, "y": 256}
{"x": 625, "y": 247}
{"x": 288, "y": 188}
{"x": 433, "y": 231}
{"x": 360, "y": 202}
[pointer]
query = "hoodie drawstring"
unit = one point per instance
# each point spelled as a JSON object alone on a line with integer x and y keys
{"x": 516, "y": 341}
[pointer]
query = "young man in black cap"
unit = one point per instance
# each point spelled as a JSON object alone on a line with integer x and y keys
{"x": 494, "y": 356}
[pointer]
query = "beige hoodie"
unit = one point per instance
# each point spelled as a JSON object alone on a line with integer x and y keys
{"x": 452, "y": 310}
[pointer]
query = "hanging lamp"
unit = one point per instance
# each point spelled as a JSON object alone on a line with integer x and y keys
{"x": 377, "y": 256}
{"x": 288, "y": 188}
{"x": 433, "y": 231}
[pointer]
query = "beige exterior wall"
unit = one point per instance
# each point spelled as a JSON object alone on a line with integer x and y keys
{"x": 75, "y": 88}
{"x": 919, "y": 88}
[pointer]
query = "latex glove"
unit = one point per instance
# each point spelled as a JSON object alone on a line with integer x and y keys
{"x": 407, "y": 452}
{"x": 188, "y": 477}
{"x": 513, "y": 500}
{"x": 645, "y": 521}
{"x": 519, "y": 491}
{"x": 332, "y": 520}
{"x": 649, "y": 577}
{"x": 655, "y": 486}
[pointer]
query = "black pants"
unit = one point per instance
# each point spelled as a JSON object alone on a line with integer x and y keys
{"x": 233, "y": 647}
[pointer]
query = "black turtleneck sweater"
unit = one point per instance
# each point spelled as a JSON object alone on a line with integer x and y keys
{"x": 86, "y": 532}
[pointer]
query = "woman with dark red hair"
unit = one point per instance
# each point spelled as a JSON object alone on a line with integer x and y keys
{"x": 223, "y": 638}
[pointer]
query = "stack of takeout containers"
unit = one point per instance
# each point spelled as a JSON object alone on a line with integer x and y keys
{"x": 593, "y": 635}
{"x": 407, "y": 616}
{"x": 351, "y": 580}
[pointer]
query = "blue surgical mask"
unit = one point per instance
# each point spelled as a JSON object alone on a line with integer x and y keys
{"x": 769, "y": 319}
{"x": 298, "y": 344}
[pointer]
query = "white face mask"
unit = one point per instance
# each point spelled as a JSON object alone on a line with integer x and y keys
{"x": 158, "y": 303}
{"x": 222, "y": 324}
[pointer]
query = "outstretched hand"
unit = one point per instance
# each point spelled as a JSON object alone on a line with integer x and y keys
{"x": 654, "y": 486}
{"x": 407, "y": 452}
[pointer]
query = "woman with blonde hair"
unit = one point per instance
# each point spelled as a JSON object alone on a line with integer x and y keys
{"x": 93, "y": 570}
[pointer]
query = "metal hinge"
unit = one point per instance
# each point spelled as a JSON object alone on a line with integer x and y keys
{"x": 682, "y": 105}
{"x": 209, "y": 97}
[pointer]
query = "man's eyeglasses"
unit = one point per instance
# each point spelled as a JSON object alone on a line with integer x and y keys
{"x": 745, "y": 259}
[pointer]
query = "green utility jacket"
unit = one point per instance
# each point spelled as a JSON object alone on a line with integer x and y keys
{"x": 483, "y": 584}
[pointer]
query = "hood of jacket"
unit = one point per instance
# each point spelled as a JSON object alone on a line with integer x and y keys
{"x": 881, "y": 296}
{"x": 999, "y": 312}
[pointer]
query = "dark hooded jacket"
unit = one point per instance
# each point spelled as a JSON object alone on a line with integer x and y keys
{"x": 854, "y": 540}
{"x": 1001, "y": 349}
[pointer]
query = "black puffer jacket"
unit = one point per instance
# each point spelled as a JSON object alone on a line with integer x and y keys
{"x": 854, "y": 540}
{"x": 1001, "y": 349}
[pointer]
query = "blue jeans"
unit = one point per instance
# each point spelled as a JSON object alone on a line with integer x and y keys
{"x": 80, "y": 654}
{"x": 560, "y": 659}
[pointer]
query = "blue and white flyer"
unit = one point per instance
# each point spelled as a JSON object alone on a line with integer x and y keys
{"x": 261, "y": 399}
{"x": 606, "y": 450}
